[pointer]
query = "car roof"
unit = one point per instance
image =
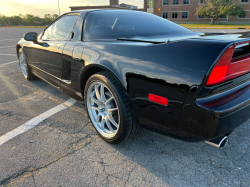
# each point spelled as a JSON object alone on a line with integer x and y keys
{"x": 92, "y": 10}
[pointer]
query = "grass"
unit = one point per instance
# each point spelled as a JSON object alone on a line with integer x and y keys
{"x": 216, "y": 26}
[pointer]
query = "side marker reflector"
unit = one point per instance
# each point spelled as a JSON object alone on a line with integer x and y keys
{"x": 158, "y": 99}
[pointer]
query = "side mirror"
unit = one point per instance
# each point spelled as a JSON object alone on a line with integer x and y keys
{"x": 31, "y": 36}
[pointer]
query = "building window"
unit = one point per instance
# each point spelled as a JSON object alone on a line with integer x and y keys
{"x": 165, "y": 15}
{"x": 200, "y": 16}
{"x": 165, "y": 2}
{"x": 244, "y": 1}
{"x": 186, "y": 2}
{"x": 176, "y": 2}
{"x": 202, "y": 1}
{"x": 150, "y": 3}
{"x": 241, "y": 16}
{"x": 222, "y": 16}
{"x": 184, "y": 15}
{"x": 174, "y": 15}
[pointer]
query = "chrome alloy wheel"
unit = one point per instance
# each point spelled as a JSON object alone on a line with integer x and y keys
{"x": 103, "y": 109}
{"x": 23, "y": 63}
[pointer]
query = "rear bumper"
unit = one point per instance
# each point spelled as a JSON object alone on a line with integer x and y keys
{"x": 206, "y": 121}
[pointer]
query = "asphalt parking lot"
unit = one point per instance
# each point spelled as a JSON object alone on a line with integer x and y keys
{"x": 63, "y": 149}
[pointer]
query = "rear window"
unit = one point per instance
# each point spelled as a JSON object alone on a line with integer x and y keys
{"x": 114, "y": 24}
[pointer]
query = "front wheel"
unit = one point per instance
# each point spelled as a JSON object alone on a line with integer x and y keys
{"x": 109, "y": 108}
{"x": 25, "y": 68}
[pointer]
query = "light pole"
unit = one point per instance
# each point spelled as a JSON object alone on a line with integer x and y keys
{"x": 59, "y": 7}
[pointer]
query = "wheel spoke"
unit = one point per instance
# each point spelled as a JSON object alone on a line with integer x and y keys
{"x": 94, "y": 100}
{"x": 108, "y": 94}
{"x": 111, "y": 98}
{"x": 110, "y": 117}
{"x": 103, "y": 94}
{"x": 109, "y": 125}
{"x": 102, "y": 123}
{"x": 93, "y": 107}
{"x": 112, "y": 109}
{"x": 97, "y": 93}
{"x": 97, "y": 120}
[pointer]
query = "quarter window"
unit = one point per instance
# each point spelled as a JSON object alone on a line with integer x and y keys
{"x": 60, "y": 29}
{"x": 165, "y": 15}
{"x": 165, "y": 2}
{"x": 113, "y": 24}
{"x": 185, "y": 2}
{"x": 176, "y": 2}
{"x": 184, "y": 15}
{"x": 174, "y": 15}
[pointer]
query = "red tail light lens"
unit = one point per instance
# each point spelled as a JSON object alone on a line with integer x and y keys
{"x": 158, "y": 99}
{"x": 226, "y": 69}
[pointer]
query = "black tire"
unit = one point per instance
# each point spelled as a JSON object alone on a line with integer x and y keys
{"x": 128, "y": 126}
{"x": 30, "y": 76}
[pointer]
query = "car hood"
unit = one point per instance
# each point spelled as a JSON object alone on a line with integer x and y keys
{"x": 184, "y": 36}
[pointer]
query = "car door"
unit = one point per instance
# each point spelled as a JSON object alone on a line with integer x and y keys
{"x": 45, "y": 57}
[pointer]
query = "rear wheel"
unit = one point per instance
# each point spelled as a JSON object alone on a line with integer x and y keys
{"x": 25, "y": 68}
{"x": 109, "y": 108}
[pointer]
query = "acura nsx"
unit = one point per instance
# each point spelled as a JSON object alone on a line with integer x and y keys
{"x": 133, "y": 69}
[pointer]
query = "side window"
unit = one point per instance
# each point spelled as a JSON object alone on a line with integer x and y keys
{"x": 60, "y": 29}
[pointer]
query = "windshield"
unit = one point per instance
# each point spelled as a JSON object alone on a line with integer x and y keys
{"x": 113, "y": 24}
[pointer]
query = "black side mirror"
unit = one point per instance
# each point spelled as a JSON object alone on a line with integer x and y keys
{"x": 31, "y": 36}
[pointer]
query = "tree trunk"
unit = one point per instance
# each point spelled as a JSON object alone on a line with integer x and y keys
{"x": 212, "y": 21}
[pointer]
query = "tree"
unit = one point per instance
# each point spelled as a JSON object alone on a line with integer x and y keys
{"x": 28, "y": 19}
{"x": 218, "y": 8}
{"x": 54, "y": 16}
{"x": 16, "y": 20}
{"x": 47, "y": 19}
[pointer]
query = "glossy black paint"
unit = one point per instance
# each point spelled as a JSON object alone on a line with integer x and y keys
{"x": 172, "y": 66}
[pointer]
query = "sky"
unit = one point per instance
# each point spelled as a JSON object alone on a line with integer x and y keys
{"x": 41, "y": 7}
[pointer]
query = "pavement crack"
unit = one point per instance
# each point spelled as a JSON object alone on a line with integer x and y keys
{"x": 17, "y": 175}
{"x": 28, "y": 171}
{"x": 33, "y": 177}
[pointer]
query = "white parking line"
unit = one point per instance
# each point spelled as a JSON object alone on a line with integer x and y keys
{"x": 10, "y": 39}
{"x": 7, "y": 55}
{"x": 7, "y": 47}
{"x": 35, "y": 121}
{"x": 8, "y": 63}
{"x": 223, "y": 31}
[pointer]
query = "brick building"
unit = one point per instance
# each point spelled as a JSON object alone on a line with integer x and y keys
{"x": 184, "y": 10}
{"x": 113, "y": 4}
{"x": 174, "y": 10}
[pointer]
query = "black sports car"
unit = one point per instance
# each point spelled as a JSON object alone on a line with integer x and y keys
{"x": 132, "y": 69}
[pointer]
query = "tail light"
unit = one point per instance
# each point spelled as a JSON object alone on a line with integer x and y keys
{"x": 227, "y": 69}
